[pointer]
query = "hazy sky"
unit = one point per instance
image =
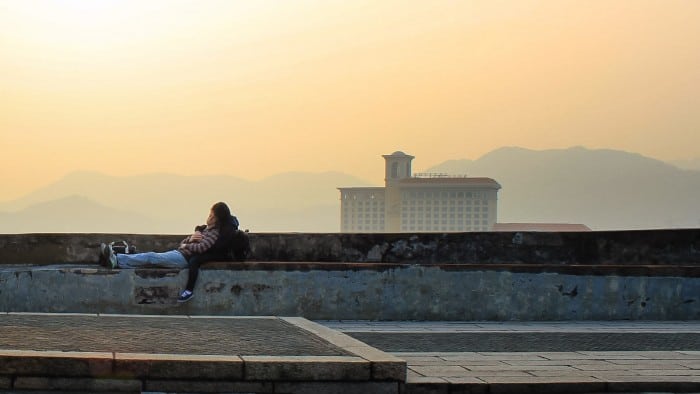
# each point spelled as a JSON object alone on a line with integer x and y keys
{"x": 254, "y": 88}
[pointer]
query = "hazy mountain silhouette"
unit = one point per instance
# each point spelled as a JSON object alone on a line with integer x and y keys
{"x": 604, "y": 189}
{"x": 690, "y": 164}
{"x": 166, "y": 203}
{"x": 70, "y": 214}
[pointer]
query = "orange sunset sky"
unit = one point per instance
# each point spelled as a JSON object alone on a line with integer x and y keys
{"x": 255, "y": 88}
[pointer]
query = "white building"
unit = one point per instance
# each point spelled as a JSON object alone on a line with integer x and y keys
{"x": 419, "y": 203}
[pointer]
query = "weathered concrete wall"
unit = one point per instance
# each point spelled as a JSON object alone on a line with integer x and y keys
{"x": 360, "y": 291}
{"x": 651, "y": 275}
{"x": 656, "y": 247}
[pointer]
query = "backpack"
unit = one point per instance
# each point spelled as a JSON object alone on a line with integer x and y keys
{"x": 233, "y": 245}
{"x": 239, "y": 245}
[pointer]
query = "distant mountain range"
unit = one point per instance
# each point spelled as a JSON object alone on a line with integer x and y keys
{"x": 604, "y": 189}
{"x": 690, "y": 164}
{"x": 166, "y": 203}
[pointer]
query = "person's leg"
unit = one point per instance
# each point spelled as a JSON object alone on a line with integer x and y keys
{"x": 169, "y": 259}
{"x": 194, "y": 263}
{"x": 193, "y": 273}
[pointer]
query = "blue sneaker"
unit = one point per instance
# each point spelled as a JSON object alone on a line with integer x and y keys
{"x": 185, "y": 296}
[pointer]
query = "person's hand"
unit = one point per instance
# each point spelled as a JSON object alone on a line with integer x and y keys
{"x": 196, "y": 237}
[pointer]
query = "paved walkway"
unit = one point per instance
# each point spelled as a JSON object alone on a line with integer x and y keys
{"x": 570, "y": 369}
{"x": 292, "y": 355}
{"x": 43, "y": 352}
{"x": 160, "y": 335}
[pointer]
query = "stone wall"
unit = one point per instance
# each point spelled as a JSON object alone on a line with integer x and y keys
{"x": 649, "y": 247}
{"x": 359, "y": 291}
{"x": 651, "y": 275}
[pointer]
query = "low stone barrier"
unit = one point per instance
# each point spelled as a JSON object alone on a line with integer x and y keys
{"x": 645, "y": 247}
{"x": 365, "y": 291}
{"x": 652, "y": 275}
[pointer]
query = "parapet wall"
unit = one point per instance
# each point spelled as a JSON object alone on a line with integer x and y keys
{"x": 650, "y": 247}
{"x": 650, "y": 275}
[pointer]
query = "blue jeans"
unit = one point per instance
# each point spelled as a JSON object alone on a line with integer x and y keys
{"x": 169, "y": 259}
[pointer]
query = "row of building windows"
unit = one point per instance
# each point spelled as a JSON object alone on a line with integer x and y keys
{"x": 428, "y": 218}
{"x": 436, "y": 213}
{"x": 365, "y": 222}
{"x": 446, "y": 221}
{"x": 445, "y": 209}
{"x": 419, "y": 219}
{"x": 348, "y": 196}
{"x": 421, "y": 209}
{"x": 417, "y": 228}
{"x": 443, "y": 228}
{"x": 444, "y": 202}
{"x": 373, "y": 209}
{"x": 406, "y": 215}
{"x": 364, "y": 228}
{"x": 441, "y": 194}
{"x": 360, "y": 215}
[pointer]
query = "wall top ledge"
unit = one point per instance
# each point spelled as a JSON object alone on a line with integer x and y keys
{"x": 568, "y": 269}
{"x": 637, "y": 247}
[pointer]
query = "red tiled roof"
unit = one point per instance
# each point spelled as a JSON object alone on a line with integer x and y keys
{"x": 544, "y": 227}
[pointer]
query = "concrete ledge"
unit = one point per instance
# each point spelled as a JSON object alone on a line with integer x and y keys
{"x": 384, "y": 366}
{"x": 536, "y": 385}
{"x": 315, "y": 368}
{"x": 208, "y": 386}
{"x": 553, "y": 385}
{"x": 178, "y": 366}
{"x": 49, "y": 363}
{"x": 77, "y": 384}
{"x": 337, "y": 387}
{"x": 644, "y": 247}
{"x": 677, "y": 384}
{"x": 524, "y": 267}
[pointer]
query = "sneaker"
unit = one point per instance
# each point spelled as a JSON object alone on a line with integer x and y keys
{"x": 107, "y": 256}
{"x": 185, "y": 296}
{"x": 112, "y": 259}
{"x": 104, "y": 253}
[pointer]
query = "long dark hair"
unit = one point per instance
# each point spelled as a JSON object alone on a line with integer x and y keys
{"x": 224, "y": 219}
{"x": 222, "y": 214}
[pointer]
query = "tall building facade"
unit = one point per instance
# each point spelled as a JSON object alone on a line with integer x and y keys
{"x": 420, "y": 202}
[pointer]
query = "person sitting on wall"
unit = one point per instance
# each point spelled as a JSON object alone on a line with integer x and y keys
{"x": 209, "y": 240}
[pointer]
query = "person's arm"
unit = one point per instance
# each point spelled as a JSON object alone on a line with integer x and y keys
{"x": 207, "y": 241}
{"x": 196, "y": 236}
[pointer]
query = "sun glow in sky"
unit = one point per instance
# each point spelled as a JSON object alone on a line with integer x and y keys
{"x": 254, "y": 88}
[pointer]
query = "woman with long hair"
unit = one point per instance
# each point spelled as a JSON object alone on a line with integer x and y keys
{"x": 210, "y": 239}
{"x": 220, "y": 251}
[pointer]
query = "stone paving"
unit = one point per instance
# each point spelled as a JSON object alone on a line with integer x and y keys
{"x": 528, "y": 342}
{"x": 68, "y": 353}
{"x": 190, "y": 354}
{"x": 160, "y": 335}
{"x": 566, "y": 370}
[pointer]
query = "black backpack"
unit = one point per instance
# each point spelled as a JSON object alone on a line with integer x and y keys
{"x": 234, "y": 244}
{"x": 239, "y": 245}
